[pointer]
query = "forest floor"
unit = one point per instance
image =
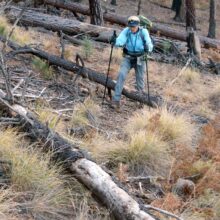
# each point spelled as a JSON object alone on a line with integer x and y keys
{"x": 168, "y": 143}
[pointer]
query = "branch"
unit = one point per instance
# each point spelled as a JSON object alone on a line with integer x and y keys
{"x": 163, "y": 212}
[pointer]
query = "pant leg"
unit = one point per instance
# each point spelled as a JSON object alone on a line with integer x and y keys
{"x": 140, "y": 72}
{"x": 124, "y": 69}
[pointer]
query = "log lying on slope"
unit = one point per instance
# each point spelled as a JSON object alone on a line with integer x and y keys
{"x": 56, "y": 23}
{"x": 85, "y": 72}
{"x": 113, "y": 18}
{"x": 87, "y": 172}
{"x": 67, "y": 26}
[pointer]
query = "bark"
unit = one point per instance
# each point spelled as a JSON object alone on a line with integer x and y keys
{"x": 122, "y": 206}
{"x": 113, "y": 18}
{"x": 190, "y": 14}
{"x": 56, "y": 23}
{"x": 92, "y": 75}
{"x": 96, "y": 14}
{"x": 193, "y": 44}
{"x": 139, "y": 7}
{"x": 179, "y": 7}
{"x": 212, "y": 19}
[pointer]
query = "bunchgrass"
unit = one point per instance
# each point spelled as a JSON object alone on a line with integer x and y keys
{"x": 85, "y": 113}
{"x": 190, "y": 76}
{"x": 172, "y": 127}
{"x": 144, "y": 152}
{"x": 43, "y": 67}
{"x": 44, "y": 187}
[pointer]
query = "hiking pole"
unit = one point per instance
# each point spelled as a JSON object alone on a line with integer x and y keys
{"x": 148, "y": 83}
{"x": 109, "y": 64}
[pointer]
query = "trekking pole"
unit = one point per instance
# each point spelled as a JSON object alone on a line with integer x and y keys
{"x": 109, "y": 64}
{"x": 148, "y": 83}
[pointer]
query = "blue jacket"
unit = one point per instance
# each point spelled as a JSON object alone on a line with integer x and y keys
{"x": 133, "y": 42}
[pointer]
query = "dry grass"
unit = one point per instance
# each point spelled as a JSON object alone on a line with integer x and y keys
{"x": 85, "y": 114}
{"x": 144, "y": 153}
{"x": 19, "y": 35}
{"x": 214, "y": 97}
{"x": 39, "y": 191}
{"x": 190, "y": 76}
{"x": 171, "y": 127}
{"x": 43, "y": 186}
{"x": 53, "y": 120}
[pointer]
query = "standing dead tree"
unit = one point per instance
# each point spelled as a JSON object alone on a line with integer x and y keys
{"x": 179, "y": 7}
{"x": 190, "y": 14}
{"x": 139, "y": 7}
{"x": 212, "y": 19}
{"x": 96, "y": 13}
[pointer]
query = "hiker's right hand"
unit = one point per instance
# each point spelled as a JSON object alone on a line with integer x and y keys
{"x": 113, "y": 40}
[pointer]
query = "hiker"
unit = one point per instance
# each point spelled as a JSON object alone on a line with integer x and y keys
{"x": 136, "y": 43}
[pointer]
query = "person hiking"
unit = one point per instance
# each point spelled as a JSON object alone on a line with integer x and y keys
{"x": 136, "y": 43}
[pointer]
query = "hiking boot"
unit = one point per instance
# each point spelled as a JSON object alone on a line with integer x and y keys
{"x": 115, "y": 105}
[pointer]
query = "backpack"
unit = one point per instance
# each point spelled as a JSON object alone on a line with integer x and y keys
{"x": 145, "y": 22}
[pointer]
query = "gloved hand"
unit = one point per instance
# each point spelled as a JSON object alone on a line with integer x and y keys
{"x": 146, "y": 50}
{"x": 113, "y": 38}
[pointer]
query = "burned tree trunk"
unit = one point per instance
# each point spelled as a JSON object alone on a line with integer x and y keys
{"x": 179, "y": 7}
{"x": 96, "y": 14}
{"x": 139, "y": 7}
{"x": 190, "y": 14}
{"x": 193, "y": 44}
{"x": 212, "y": 19}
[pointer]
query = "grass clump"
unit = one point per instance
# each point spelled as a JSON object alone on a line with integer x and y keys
{"x": 170, "y": 126}
{"x": 20, "y": 36}
{"x": 190, "y": 76}
{"x": 87, "y": 47}
{"x": 43, "y": 67}
{"x": 144, "y": 152}
{"x": 85, "y": 113}
{"x": 43, "y": 189}
{"x": 4, "y": 26}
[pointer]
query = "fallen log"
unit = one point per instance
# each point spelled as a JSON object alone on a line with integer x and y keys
{"x": 118, "y": 201}
{"x": 70, "y": 27}
{"x": 92, "y": 75}
{"x": 113, "y": 18}
{"x": 56, "y": 23}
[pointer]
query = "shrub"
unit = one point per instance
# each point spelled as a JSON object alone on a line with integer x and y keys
{"x": 87, "y": 47}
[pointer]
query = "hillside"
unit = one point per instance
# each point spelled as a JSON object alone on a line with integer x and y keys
{"x": 166, "y": 157}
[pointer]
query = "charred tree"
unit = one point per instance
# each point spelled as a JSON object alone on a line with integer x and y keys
{"x": 190, "y": 14}
{"x": 113, "y": 2}
{"x": 139, "y": 7}
{"x": 212, "y": 19}
{"x": 179, "y": 7}
{"x": 96, "y": 13}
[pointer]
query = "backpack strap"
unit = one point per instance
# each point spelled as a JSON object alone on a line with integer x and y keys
{"x": 141, "y": 35}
